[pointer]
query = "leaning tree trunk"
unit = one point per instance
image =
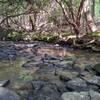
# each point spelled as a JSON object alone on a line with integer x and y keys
{"x": 88, "y": 16}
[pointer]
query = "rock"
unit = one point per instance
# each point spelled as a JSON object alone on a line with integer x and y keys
{"x": 6, "y": 94}
{"x": 30, "y": 64}
{"x": 89, "y": 68}
{"x": 94, "y": 80}
{"x": 94, "y": 95}
{"x": 89, "y": 95}
{"x": 66, "y": 75}
{"x": 38, "y": 84}
{"x": 4, "y": 83}
{"x": 70, "y": 60}
{"x": 3, "y": 56}
{"x": 45, "y": 91}
{"x": 48, "y": 57}
{"x": 77, "y": 84}
{"x": 97, "y": 68}
{"x": 75, "y": 96}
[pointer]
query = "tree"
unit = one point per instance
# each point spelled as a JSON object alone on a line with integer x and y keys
{"x": 74, "y": 10}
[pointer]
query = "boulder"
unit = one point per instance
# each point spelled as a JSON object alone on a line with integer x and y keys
{"x": 97, "y": 68}
{"x": 89, "y": 95}
{"x": 66, "y": 75}
{"x": 77, "y": 84}
{"x": 4, "y": 83}
{"x": 45, "y": 91}
{"x": 6, "y": 94}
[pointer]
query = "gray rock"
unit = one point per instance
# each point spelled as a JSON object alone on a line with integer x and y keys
{"x": 77, "y": 84}
{"x": 75, "y": 96}
{"x": 38, "y": 84}
{"x": 48, "y": 57}
{"x": 89, "y": 95}
{"x": 94, "y": 80}
{"x": 66, "y": 75}
{"x": 4, "y": 83}
{"x": 45, "y": 91}
{"x": 3, "y": 56}
{"x": 94, "y": 95}
{"x": 6, "y": 94}
{"x": 97, "y": 68}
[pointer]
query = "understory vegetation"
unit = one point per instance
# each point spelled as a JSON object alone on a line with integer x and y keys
{"x": 49, "y": 20}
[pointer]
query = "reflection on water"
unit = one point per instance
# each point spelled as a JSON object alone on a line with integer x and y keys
{"x": 10, "y": 70}
{"x": 55, "y": 51}
{"x": 83, "y": 57}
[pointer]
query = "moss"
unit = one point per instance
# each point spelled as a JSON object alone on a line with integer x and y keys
{"x": 15, "y": 36}
{"x": 45, "y": 38}
{"x": 94, "y": 34}
{"x": 25, "y": 75}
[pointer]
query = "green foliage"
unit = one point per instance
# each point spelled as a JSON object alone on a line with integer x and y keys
{"x": 25, "y": 75}
{"x": 15, "y": 36}
{"x": 94, "y": 34}
{"x": 45, "y": 38}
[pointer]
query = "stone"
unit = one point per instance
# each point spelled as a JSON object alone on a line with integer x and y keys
{"x": 94, "y": 80}
{"x": 48, "y": 57}
{"x": 94, "y": 95}
{"x": 97, "y": 68}
{"x": 45, "y": 91}
{"x": 89, "y": 68}
{"x": 4, "y": 83}
{"x": 3, "y": 56}
{"x": 6, "y": 94}
{"x": 66, "y": 75}
{"x": 75, "y": 96}
{"x": 38, "y": 84}
{"x": 77, "y": 84}
{"x": 88, "y": 95}
{"x": 30, "y": 64}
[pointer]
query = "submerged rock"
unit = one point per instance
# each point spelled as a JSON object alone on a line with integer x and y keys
{"x": 66, "y": 75}
{"x": 6, "y": 94}
{"x": 3, "y": 56}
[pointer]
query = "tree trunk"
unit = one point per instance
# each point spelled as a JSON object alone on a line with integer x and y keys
{"x": 88, "y": 16}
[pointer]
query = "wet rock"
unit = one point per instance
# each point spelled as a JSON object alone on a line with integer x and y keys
{"x": 91, "y": 80}
{"x": 38, "y": 84}
{"x": 48, "y": 57}
{"x": 77, "y": 84}
{"x": 97, "y": 68}
{"x": 89, "y": 95}
{"x": 29, "y": 64}
{"x": 94, "y": 95}
{"x": 4, "y": 83}
{"x": 45, "y": 91}
{"x": 6, "y": 94}
{"x": 75, "y": 96}
{"x": 94, "y": 80}
{"x": 66, "y": 75}
{"x": 3, "y": 56}
{"x": 89, "y": 68}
